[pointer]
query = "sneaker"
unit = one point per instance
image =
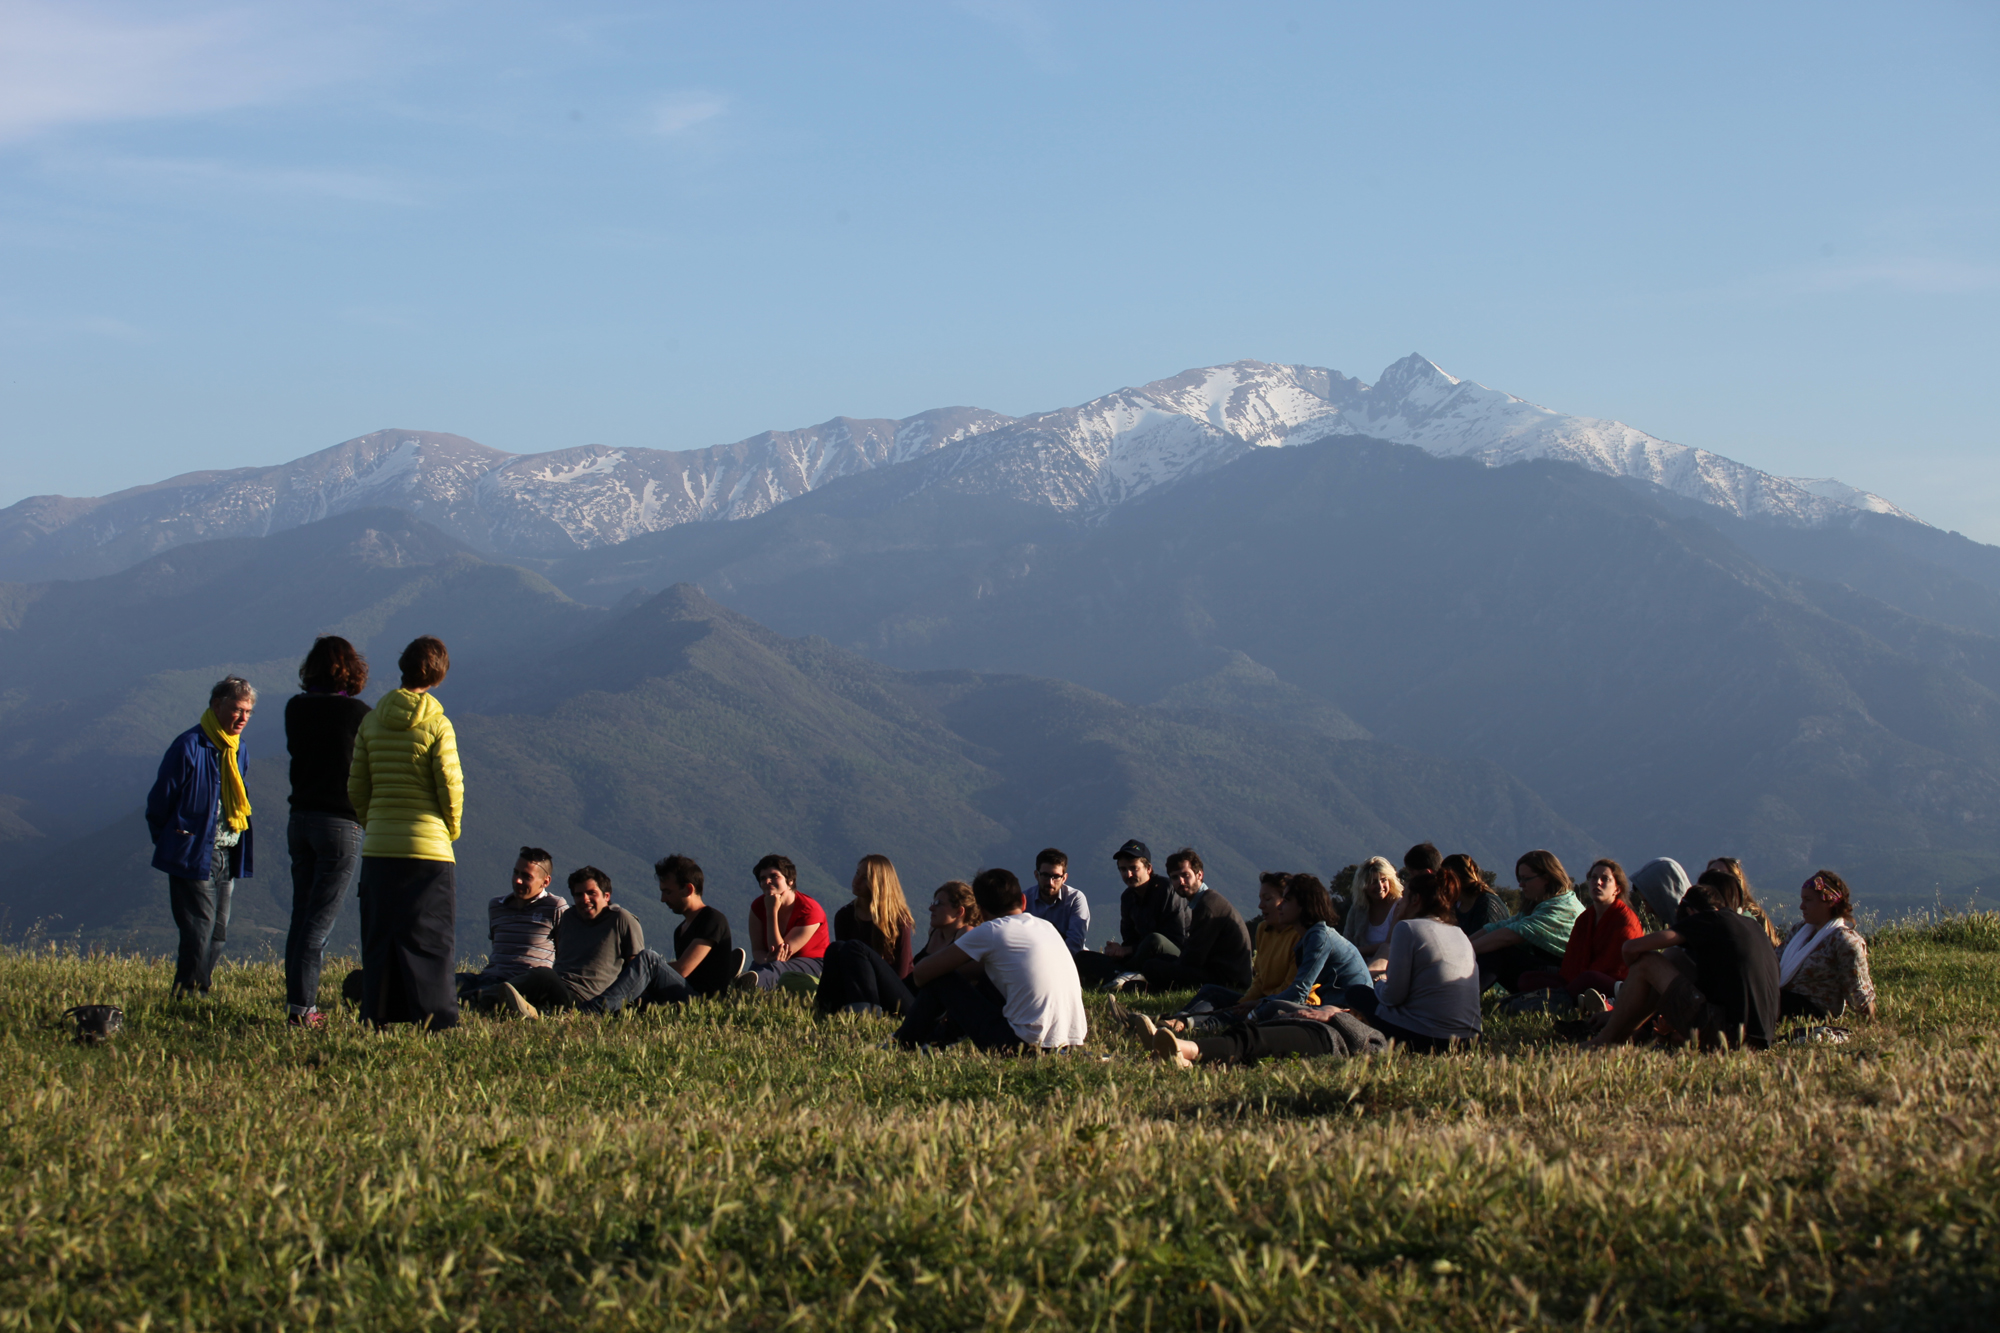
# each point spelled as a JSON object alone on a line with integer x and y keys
{"x": 1592, "y": 1003}
{"x": 746, "y": 981}
{"x": 1125, "y": 979}
{"x": 312, "y": 1019}
{"x": 742, "y": 959}
{"x": 863, "y": 1007}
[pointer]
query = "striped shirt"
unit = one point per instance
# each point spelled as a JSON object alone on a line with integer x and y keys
{"x": 520, "y": 933}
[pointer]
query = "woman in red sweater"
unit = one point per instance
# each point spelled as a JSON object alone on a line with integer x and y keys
{"x": 1595, "y": 958}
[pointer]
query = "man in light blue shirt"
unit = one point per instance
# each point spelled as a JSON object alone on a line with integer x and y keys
{"x": 1054, "y": 901}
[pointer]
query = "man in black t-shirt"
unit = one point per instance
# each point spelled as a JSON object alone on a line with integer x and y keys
{"x": 704, "y": 952}
{"x": 1713, "y": 977}
{"x": 1152, "y": 919}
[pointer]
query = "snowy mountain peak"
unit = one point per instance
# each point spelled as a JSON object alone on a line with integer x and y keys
{"x": 1084, "y": 459}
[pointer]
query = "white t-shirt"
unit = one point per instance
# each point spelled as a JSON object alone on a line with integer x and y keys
{"x": 1026, "y": 960}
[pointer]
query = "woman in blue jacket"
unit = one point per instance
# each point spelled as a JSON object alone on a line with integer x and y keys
{"x": 199, "y": 816}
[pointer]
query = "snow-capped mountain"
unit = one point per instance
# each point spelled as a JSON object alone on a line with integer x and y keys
{"x": 1084, "y": 459}
{"x": 1125, "y": 443}
{"x": 517, "y": 505}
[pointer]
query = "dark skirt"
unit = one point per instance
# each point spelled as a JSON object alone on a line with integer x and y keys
{"x": 409, "y": 941}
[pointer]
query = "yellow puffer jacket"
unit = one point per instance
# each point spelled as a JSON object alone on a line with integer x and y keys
{"x": 406, "y": 785}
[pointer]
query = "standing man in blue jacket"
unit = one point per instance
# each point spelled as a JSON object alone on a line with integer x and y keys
{"x": 199, "y": 816}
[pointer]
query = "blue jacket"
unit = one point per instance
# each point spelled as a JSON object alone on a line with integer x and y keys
{"x": 181, "y": 811}
{"x": 1328, "y": 958}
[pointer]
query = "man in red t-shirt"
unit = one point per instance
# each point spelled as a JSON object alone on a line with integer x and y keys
{"x": 799, "y": 943}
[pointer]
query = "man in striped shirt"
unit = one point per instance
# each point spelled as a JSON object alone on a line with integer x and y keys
{"x": 520, "y": 923}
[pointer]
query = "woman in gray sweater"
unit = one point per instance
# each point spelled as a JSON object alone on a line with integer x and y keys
{"x": 1429, "y": 998}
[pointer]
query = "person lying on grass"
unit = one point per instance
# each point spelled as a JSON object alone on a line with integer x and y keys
{"x": 797, "y": 944}
{"x": 1428, "y": 999}
{"x": 705, "y": 952}
{"x": 1595, "y": 957}
{"x": 602, "y": 963}
{"x": 1712, "y": 978}
{"x": 1823, "y": 972}
{"x": 1006, "y": 985}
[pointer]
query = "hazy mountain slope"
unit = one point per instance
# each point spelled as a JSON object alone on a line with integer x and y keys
{"x": 101, "y": 673}
{"x": 680, "y": 725}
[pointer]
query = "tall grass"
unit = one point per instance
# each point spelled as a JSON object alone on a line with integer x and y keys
{"x": 739, "y": 1165}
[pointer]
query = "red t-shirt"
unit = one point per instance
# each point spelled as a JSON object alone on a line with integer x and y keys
{"x": 803, "y": 912}
{"x": 1596, "y": 942}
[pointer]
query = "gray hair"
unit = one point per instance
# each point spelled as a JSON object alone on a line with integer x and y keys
{"x": 232, "y": 688}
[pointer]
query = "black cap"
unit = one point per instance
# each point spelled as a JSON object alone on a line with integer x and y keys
{"x": 1133, "y": 850}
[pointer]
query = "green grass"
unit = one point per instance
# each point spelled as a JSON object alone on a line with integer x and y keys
{"x": 741, "y": 1166}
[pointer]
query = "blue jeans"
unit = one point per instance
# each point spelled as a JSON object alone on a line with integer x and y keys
{"x": 646, "y": 979}
{"x": 326, "y": 853}
{"x": 201, "y": 911}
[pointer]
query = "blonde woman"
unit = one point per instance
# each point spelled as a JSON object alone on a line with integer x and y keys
{"x": 879, "y": 917}
{"x": 867, "y": 967}
{"x": 1372, "y": 915}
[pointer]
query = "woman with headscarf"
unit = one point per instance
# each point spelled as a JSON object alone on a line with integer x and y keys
{"x": 198, "y": 813}
{"x": 1823, "y": 971}
{"x": 323, "y": 835}
{"x": 408, "y": 793}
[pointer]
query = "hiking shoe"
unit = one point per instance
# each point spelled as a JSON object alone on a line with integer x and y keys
{"x": 1168, "y": 1047}
{"x": 311, "y": 1019}
{"x": 1138, "y": 1024}
{"x": 1125, "y": 979}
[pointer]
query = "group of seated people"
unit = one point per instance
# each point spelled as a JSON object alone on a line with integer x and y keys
{"x": 1407, "y": 961}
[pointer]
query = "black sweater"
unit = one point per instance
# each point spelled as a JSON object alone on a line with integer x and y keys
{"x": 319, "y": 732}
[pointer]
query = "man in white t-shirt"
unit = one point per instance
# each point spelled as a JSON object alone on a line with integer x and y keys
{"x": 1008, "y": 985}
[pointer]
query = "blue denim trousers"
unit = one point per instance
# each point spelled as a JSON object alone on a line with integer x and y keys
{"x": 201, "y": 911}
{"x": 646, "y": 979}
{"x": 326, "y": 853}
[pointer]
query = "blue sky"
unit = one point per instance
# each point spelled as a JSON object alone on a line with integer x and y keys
{"x": 233, "y": 234}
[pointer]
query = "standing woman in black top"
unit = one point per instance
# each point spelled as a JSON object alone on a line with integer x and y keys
{"x": 324, "y": 835}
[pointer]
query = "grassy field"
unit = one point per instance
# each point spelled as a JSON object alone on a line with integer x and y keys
{"x": 740, "y": 1166}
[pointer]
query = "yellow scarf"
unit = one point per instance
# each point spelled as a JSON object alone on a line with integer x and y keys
{"x": 235, "y": 800}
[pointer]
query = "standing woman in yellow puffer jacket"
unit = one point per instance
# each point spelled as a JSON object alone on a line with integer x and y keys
{"x": 409, "y": 793}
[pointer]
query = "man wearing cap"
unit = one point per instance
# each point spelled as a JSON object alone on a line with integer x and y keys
{"x": 1152, "y": 920}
